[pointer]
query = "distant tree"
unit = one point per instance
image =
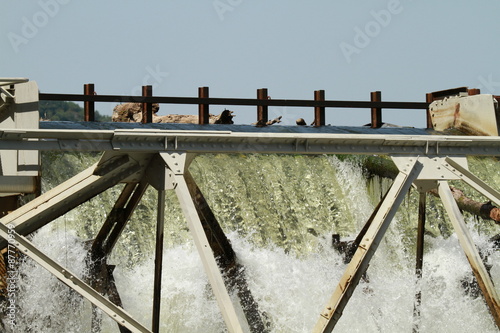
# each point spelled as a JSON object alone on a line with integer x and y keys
{"x": 66, "y": 111}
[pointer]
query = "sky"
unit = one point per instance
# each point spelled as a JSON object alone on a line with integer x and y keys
{"x": 403, "y": 48}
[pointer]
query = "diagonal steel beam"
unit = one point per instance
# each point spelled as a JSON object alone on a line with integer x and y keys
{"x": 124, "y": 217}
{"x": 473, "y": 180}
{"x": 359, "y": 263}
{"x": 70, "y": 194}
{"x": 233, "y": 272}
{"x": 26, "y": 247}
{"x": 471, "y": 252}
{"x": 207, "y": 256}
{"x": 115, "y": 215}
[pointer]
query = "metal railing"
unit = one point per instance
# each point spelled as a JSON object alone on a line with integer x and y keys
{"x": 262, "y": 102}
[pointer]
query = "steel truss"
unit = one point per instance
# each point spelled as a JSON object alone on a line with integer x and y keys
{"x": 424, "y": 173}
{"x": 161, "y": 159}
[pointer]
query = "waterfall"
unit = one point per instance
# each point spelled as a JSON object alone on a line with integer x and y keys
{"x": 279, "y": 211}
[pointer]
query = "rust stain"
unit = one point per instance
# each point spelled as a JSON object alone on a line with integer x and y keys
{"x": 456, "y": 116}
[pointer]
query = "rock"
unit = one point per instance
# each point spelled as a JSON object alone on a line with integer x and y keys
{"x": 132, "y": 113}
{"x": 300, "y": 122}
{"x": 226, "y": 117}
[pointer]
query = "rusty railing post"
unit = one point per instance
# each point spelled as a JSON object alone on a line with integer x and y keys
{"x": 319, "y": 111}
{"x": 89, "y": 106}
{"x": 429, "y": 98}
{"x": 376, "y": 96}
{"x": 474, "y": 91}
{"x": 262, "y": 114}
{"x": 147, "y": 108}
{"x": 203, "y": 115}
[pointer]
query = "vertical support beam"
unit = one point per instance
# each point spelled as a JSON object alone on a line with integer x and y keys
{"x": 471, "y": 252}
{"x": 429, "y": 98}
{"x": 203, "y": 113}
{"x": 376, "y": 113}
{"x": 147, "y": 108}
{"x": 319, "y": 111}
{"x": 262, "y": 114}
{"x": 160, "y": 223}
{"x": 361, "y": 259}
{"x": 89, "y": 106}
{"x": 420, "y": 261}
{"x": 207, "y": 257}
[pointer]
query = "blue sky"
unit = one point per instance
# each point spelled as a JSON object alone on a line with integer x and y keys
{"x": 403, "y": 48}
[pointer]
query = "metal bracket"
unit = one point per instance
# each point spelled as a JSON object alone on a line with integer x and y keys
{"x": 159, "y": 175}
{"x": 175, "y": 161}
{"x": 433, "y": 166}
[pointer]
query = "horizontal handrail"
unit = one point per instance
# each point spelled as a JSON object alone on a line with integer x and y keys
{"x": 232, "y": 101}
{"x": 262, "y": 102}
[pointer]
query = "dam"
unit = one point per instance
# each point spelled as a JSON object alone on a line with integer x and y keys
{"x": 138, "y": 156}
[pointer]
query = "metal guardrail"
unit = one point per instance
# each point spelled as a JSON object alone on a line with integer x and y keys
{"x": 155, "y": 139}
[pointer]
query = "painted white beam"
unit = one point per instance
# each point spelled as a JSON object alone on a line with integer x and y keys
{"x": 246, "y": 142}
{"x": 366, "y": 249}
{"x": 61, "y": 199}
{"x": 214, "y": 275}
{"x": 471, "y": 252}
{"x": 472, "y": 180}
{"x": 71, "y": 280}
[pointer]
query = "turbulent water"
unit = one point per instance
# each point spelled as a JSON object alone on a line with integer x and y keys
{"x": 279, "y": 213}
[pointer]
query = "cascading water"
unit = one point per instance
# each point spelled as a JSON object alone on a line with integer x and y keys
{"x": 279, "y": 213}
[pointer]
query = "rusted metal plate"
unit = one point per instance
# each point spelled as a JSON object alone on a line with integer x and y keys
{"x": 475, "y": 115}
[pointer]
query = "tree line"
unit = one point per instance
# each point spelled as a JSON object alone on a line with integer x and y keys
{"x": 66, "y": 111}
